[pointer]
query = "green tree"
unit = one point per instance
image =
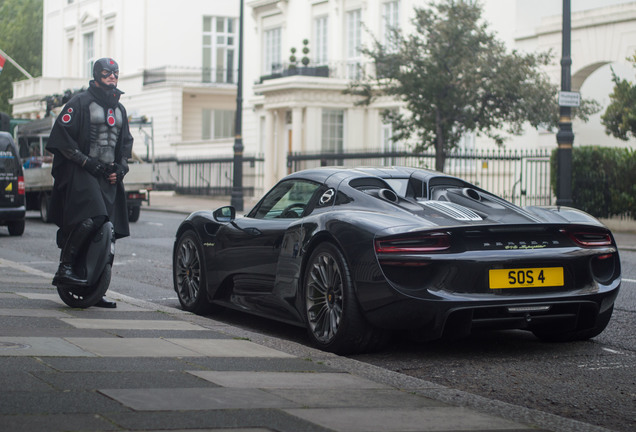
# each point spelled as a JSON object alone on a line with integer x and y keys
{"x": 619, "y": 118}
{"x": 455, "y": 77}
{"x": 20, "y": 38}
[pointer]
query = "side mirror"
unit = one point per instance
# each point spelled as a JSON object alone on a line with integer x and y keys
{"x": 224, "y": 214}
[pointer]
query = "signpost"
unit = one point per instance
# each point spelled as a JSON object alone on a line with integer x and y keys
{"x": 565, "y": 136}
{"x": 569, "y": 99}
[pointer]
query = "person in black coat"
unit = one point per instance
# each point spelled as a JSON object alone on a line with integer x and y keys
{"x": 91, "y": 143}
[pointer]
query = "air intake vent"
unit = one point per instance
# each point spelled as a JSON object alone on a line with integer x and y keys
{"x": 452, "y": 210}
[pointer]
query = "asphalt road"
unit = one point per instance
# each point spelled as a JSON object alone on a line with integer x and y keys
{"x": 590, "y": 381}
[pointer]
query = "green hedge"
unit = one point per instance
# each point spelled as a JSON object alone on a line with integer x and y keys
{"x": 603, "y": 180}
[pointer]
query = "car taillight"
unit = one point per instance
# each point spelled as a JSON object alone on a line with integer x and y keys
{"x": 425, "y": 243}
{"x": 21, "y": 189}
{"x": 590, "y": 238}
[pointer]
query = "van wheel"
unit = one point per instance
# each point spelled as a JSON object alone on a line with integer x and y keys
{"x": 133, "y": 213}
{"x": 44, "y": 208}
{"x": 16, "y": 228}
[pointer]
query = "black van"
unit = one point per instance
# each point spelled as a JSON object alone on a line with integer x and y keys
{"x": 12, "y": 210}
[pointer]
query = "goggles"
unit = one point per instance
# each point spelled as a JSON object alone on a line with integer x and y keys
{"x": 106, "y": 74}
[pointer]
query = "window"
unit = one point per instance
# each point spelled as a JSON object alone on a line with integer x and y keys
{"x": 288, "y": 200}
{"x": 332, "y": 130}
{"x": 322, "y": 41}
{"x": 110, "y": 40}
{"x": 353, "y": 44}
{"x": 271, "y": 52}
{"x": 390, "y": 22}
{"x": 70, "y": 57}
{"x": 217, "y": 124}
{"x": 219, "y": 46}
{"x": 89, "y": 54}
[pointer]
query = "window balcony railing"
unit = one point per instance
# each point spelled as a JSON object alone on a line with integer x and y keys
{"x": 352, "y": 70}
{"x": 190, "y": 75}
{"x": 290, "y": 70}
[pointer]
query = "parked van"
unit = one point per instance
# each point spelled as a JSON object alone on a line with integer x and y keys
{"x": 12, "y": 209}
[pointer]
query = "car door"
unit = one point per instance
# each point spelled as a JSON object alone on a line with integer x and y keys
{"x": 252, "y": 244}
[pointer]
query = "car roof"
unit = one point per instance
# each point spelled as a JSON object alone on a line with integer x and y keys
{"x": 6, "y": 141}
{"x": 340, "y": 173}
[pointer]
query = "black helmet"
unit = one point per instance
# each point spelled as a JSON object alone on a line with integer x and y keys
{"x": 104, "y": 64}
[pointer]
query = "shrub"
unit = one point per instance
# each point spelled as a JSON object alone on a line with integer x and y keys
{"x": 603, "y": 180}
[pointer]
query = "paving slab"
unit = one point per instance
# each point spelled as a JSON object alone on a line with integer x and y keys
{"x": 36, "y": 313}
{"x": 228, "y": 348}
{"x": 40, "y": 346}
{"x": 137, "y": 347}
{"x": 436, "y": 419}
{"x": 117, "y": 364}
{"x": 304, "y": 380}
{"x": 11, "y": 365}
{"x": 264, "y": 364}
{"x": 55, "y": 298}
{"x": 193, "y": 399}
{"x": 37, "y": 402}
{"x": 274, "y": 420}
{"x": 90, "y": 380}
{"x": 95, "y": 323}
{"x": 355, "y": 397}
{"x": 56, "y": 423}
{"x": 22, "y": 381}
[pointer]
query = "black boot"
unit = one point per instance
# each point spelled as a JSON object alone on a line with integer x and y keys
{"x": 105, "y": 303}
{"x": 65, "y": 273}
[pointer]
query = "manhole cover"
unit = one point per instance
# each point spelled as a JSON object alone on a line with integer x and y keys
{"x": 11, "y": 345}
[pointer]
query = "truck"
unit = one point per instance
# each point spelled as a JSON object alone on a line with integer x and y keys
{"x": 31, "y": 138}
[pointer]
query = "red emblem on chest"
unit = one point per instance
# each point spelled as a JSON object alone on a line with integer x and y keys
{"x": 110, "y": 118}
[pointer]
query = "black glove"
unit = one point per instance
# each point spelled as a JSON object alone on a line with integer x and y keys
{"x": 119, "y": 170}
{"x": 95, "y": 167}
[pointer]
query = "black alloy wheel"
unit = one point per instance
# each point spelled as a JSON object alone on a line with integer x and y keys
{"x": 188, "y": 269}
{"x": 334, "y": 319}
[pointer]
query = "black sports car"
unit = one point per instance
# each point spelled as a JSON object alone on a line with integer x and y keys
{"x": 353, "y": 254}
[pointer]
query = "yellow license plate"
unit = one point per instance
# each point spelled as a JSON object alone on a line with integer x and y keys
{"x": 526, "y": 277}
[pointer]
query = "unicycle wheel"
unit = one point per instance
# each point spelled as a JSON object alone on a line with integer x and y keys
{"x": 84, "y": 297}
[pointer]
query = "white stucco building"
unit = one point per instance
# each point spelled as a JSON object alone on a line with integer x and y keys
{"x": 178, "y": 66}
{"x": 178, "y": 63}
{"x": 296, "y": 113}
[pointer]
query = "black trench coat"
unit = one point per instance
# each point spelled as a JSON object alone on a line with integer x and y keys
{"x": 77, "y": 195}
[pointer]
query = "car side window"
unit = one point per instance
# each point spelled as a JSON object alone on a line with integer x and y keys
{"x": 288, "y": 200}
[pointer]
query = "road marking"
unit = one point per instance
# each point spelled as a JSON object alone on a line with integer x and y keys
{"x": 22, "y": 267}
{"x": 629, "y": 280}
{"x": 598, "y": 366}
{"x": 612, "y": 351}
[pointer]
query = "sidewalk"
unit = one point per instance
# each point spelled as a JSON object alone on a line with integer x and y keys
{"x": 146, "y": 367}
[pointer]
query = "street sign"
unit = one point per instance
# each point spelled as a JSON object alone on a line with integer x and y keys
{"x": 569, "y": 99}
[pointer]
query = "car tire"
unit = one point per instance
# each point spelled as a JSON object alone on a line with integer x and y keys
{"x": 189, "y": 274}
{"x": 577, "y": 335}
{"x": 334, "y": 319}
{"x": 16, "y": 228}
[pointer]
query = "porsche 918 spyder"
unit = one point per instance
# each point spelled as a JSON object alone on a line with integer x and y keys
{"x": 356, "y": 254}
